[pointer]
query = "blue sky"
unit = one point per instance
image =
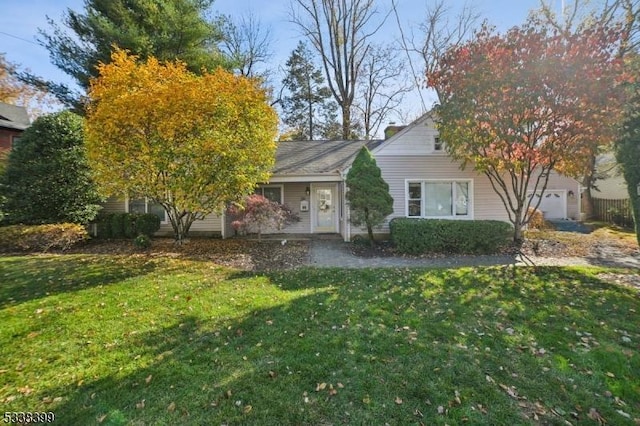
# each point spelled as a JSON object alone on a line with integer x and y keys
{"x": 20, "y": 20}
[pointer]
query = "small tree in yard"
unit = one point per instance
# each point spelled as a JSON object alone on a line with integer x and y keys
{"x": 257, "y": 214}
{"x": 190, "y": 143}
{"x": 47, "y": 177}
{"x": 368, "y": 193}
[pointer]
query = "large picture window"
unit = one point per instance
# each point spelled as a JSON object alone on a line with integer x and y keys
{"x": 270, "y": 192}
{"x": 438, "y": 199}
{"x": 145, "y": 205}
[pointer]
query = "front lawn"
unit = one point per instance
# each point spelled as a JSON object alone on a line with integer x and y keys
{"x": 109, "y": 339}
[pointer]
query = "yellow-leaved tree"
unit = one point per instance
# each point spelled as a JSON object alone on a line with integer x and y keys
{"x": 189, "y": 143}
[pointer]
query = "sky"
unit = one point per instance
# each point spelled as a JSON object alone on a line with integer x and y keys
{"x": 21, "y": 19}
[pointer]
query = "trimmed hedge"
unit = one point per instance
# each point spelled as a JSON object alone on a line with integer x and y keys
{"x": 41, "y": 238}
{"x": 418, "y": 236}
{"x": 126, "y": 225}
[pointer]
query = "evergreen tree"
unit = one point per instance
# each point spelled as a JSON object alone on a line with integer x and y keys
{"x": 308, "y": 109}
{"x": 627, "y": 146}
{"x": 47, "y": 178}
{"x": 368, "y": 194}
{"x": 167, "y": 30}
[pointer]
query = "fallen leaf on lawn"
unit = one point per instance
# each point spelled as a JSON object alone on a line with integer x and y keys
{"x": 440, "y": 409}
{"x": 172, "y": 407}
{"x": 101, "y": 418}
{"x": 610, "y": 374}
{"x": 398, "y": 400}
{"x": 272, "y": 374}
{"x": 228, "y": 393}
{"x": 247, "y": 409}
{"x": 321, "y": 386}
{"x": 148, "y": 379}
{"x": 623, "y": 414}
{"x": 594, "y": 415}
{"x": 457, "y": 397}
{"x": 140, "y": 405}
{"x": 340, "y": 385}
{"x": 489, "y": 379}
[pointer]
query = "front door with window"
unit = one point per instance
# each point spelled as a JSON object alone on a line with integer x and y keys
{"x": 325, "y": 209}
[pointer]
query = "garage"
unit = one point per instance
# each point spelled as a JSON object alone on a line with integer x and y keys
{"x": 553, "y": 204}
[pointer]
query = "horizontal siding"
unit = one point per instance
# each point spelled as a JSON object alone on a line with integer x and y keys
{"x": 114, "y": 205}
{"x": 397, "y": 169}
{"x": 418, "y": 139}
{"x": 293, "y": 194}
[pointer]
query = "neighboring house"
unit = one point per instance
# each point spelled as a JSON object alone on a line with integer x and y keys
{"x": 309, "y": 177}
{"x": 13, "y": 121}
{"x": 610, "y": 184}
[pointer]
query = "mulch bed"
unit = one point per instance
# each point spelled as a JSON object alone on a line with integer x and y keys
{"x": 248, "y": 255}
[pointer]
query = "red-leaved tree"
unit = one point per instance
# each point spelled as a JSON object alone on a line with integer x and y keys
{"x": 257, "y": 214}
{"x": 518, "y": 105}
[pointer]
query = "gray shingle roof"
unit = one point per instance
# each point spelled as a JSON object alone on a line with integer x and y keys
{"x": 316, "y": 157}
{"x": 13, "y": 117}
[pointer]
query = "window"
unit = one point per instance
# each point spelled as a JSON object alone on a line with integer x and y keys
{"x": 145, "y": 205}
{"x": 438, "y": 199}
{"x": 271, "y": 192}
{"x": 438, "y": 145}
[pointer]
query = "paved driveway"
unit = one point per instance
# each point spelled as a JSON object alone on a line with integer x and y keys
{"x": 336, "y": 253}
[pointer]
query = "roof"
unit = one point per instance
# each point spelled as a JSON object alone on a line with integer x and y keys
{"x": 13, "y": 117}
{"x": 316, "y": 157}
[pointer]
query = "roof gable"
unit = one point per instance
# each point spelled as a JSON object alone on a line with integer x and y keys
{"x": 13, "y": 117}
{"x": 415, "y": 139}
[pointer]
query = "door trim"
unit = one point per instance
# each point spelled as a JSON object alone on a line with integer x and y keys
{"x": 314, "y": 207}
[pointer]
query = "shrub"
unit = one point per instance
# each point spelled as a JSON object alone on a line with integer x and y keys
{"x": 417, "y": 236}
{"x": 117, "y": 225}
{"x": 258, "y": 214}
{"x": 41, "y": 238}
{"x": 47, "y": 177}
{"x": 103, "y": 223}
{"x": 537, "y": 219}
{"x": 142, "y": 241}
{"x": 147, "y": 224}
{"x": 127, "y": 225}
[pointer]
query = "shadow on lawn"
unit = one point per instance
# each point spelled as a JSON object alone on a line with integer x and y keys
{"x": 37, "y": 276}
{"x": 418, "y": 336}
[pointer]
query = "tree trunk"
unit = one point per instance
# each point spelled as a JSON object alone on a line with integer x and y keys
{"x": 372, "y": 242}
{"x": 517, "y": 229}
{"x": 346, "y": 122}
{"x": 587, "y": 184}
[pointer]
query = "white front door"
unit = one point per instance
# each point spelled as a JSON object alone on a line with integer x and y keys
{"x": 325, "y": 212}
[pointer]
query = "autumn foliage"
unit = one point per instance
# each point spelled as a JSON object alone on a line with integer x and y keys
{"x": 190, "y": 143}
{"x": 257, "y": 214}
{"x": 518, "y": 105}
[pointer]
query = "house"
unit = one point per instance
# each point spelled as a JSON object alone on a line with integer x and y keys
{"x": 309, "y": 177}
{"x": 610, "y": 184}
{"x": 13, "y": 121}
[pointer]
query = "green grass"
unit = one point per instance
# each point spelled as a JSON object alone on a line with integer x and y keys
{"x": 142, "y": 340}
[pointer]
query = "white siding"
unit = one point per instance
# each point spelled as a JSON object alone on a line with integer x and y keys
{"x": 416, "y": 139}
{"x": 397, "y": 169}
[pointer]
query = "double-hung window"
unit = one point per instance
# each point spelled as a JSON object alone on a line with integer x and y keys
{"x": 145, "y": 205}
{"x": 439, "y": 199}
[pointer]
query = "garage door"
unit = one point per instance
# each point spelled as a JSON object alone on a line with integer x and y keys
{"x": 553, "y": 204}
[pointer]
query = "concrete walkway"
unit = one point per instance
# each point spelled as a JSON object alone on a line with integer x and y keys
{"x": 336, "y": 253}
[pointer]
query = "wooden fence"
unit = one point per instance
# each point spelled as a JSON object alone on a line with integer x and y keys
{"x": 613, "y": 211}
